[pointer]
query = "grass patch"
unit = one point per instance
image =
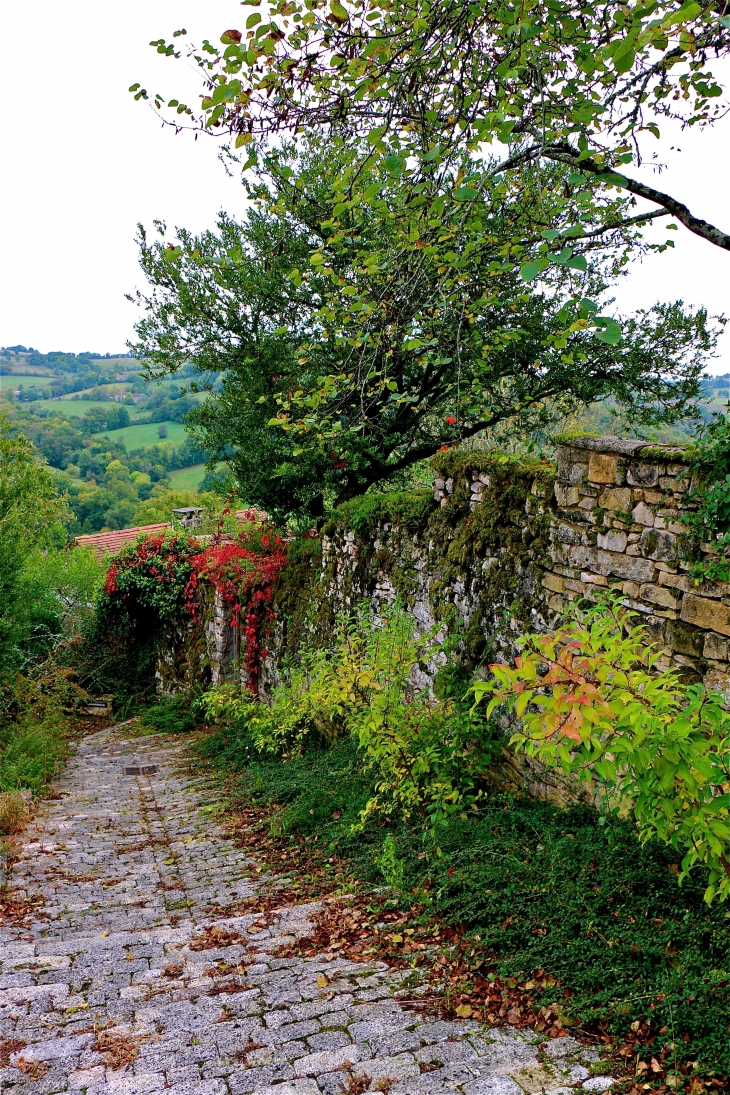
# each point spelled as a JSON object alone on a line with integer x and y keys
{"x": 31, "y": 751}
{"x": 187, "y": 478}
{"x": 144, "y": 436}
{"x": 538, "y": 888}
{"x": 70, "y": 406}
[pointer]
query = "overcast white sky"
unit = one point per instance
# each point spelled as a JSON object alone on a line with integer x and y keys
{"x": 83, "y": 163}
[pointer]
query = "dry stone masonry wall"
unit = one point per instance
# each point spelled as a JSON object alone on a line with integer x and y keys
{"x": 618, "y": 521}
{"x": 504, "y": 547}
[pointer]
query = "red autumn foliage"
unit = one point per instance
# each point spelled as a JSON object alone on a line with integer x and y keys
{"x": 244, "y": 573}
{"x": 166, "y": 573}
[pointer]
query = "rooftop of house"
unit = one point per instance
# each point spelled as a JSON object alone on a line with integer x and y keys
{"x": 109, "y": 543}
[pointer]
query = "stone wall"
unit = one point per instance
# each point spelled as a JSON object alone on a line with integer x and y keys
{"x": 503, "y": 547}
{"x": 618, "y": 521}
{"x": 499, "y": 547}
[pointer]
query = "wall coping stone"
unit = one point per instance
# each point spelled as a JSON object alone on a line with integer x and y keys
{"x": 621, "y": 445}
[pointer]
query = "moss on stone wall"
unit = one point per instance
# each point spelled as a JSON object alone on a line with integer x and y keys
{"x": 496, "y": 552}
{"x": 409, "y": 510}
{"x": 297, "y": 594}
{"x": 478, "y": 568}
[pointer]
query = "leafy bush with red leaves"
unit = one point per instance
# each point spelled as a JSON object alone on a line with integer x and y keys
{"x": 161, "y": 580}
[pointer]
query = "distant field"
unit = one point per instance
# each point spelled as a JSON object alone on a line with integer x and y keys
{"x": 73, "y": 406}
{"x": 142, "y": 437}
{"x": 187, "y": 478}
{"x": 13, "y": 381}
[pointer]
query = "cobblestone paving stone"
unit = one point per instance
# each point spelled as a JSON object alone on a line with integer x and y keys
{"x": 136, "y": 875}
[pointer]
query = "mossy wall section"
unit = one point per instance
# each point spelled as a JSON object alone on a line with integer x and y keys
{"x": 474, "y": 570}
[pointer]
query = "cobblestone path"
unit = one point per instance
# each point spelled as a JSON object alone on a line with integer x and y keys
{"x": 132, "y": 979}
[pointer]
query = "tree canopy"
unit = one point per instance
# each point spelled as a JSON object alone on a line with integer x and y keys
{"x": 579, "y": 84}
{"x": 353, "y": 341}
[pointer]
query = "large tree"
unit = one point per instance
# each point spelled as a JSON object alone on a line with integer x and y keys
{"x": 345, "y": 342}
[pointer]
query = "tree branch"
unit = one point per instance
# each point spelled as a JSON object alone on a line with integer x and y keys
{"x": 700, "y": 227}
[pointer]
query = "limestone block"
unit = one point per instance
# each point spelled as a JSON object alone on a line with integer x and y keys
{"x": 449, "y": 484}
{"x": 574, "y": 586}
{"x": 558, "y": 554}
{"x": 593, "y": 579}
{"x": 616, "y": 498}
{"x": 557, "y": 603}
{"x": 485, "y": 479}
{"x": 718, "y": 680}
{"x": 684, "y": 640}
{"x": 701, "y": 611}
{"x": 477, "y": 487}
{"x": 715, "y": 647}
{"x": 659, "y": 595}
{"x": 438, "y": 484}
{"x": 602, "y": 468}
{"x": 612, "y": 541}
{"x": 642, "y": 515}
{"x": 642, "y": 475}
{"x": 572, "y": 465}
{"x": 682, "y": 582}
{"x": 566, "y": 496}
{"x": 566, "y": 534}
{"x": 657, "y": 544}
{"x": 612, "y": 564}
{"x": 660, "y": 522}
{"x": 553, "y": 582}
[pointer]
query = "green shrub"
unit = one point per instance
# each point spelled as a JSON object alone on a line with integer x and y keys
{"x": 591, "y": 701}
{"x": 175, "y": 714}
{"x": 427, "y": 755}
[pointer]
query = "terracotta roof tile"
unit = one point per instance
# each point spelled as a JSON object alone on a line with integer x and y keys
{"x": 109, "y": 543}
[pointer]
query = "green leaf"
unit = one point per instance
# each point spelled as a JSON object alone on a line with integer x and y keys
{"x": 253, "y": 19}
{"x": 465, "y": 193}
{"x": 613, "y": 179}
{"x": 611, "y": 334}
{"x": 530, "y": 270}
{"x": 577, "y": 262}
{"x": 624, "y": 61}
